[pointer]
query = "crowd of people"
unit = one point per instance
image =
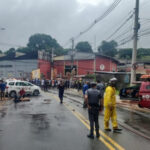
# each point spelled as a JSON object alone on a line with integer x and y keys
{"x": 94, "y": 99}
{"x": 46, "y": 84}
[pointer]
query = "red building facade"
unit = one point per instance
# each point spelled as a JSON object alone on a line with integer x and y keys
{"x": 83, "y": 64}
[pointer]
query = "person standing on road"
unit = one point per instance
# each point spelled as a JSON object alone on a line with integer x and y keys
{"x": 42, "y": 84}
{"x": 110, "y": 106}
{"x": 61, "y": 88}
{"x": 101, "y": 87}
{"x": 2, "y": 89}
{"x": 85, "y": 88}
{"x": 95, "y": 104}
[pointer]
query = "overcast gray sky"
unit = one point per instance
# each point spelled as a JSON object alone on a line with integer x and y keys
{"x": 63, "y": 19}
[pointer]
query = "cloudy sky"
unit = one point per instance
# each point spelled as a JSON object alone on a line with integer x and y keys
{"x": 63, "y": 19}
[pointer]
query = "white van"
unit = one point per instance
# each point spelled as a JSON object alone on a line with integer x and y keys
{"x": 14, "y": 86}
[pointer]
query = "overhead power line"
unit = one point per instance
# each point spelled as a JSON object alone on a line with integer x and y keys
{"x": 125, "y": 40}
{"x": 128, "y": 30}
{"x": 120, "y": 27}
{"x": 105, "y": 14}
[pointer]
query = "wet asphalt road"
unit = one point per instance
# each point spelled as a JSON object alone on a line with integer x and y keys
{"x": 45, "y": 124}
{"x": 129, "y": 118}
{"x": 42, "y": 124}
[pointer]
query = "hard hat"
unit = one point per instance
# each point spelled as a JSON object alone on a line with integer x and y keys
{"x": 113, "y": 79}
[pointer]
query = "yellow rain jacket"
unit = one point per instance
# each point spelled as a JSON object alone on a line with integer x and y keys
{"x": 110, "y": 96}
{"x": 110, "y": 107}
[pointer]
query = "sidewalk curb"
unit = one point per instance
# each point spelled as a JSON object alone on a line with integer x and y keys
{"x": 132, "y": 105}
{"x": 134, "y": 130}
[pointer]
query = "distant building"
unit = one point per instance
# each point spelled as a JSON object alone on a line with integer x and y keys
{"x": 140, "y": 67}
{"x": 17, "y": 68}
{"x": 78, "y": 63}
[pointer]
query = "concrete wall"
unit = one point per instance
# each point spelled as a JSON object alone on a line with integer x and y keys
{"x": 17, "y": 68}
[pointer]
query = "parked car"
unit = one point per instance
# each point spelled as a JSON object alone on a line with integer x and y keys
{"x": 14, "y": 86}
{"x": 130, "y": 92}
{"x": 140, "y": 92}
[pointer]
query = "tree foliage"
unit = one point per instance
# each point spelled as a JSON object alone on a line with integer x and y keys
{"x": 108, "y": 48}
{"x": 29, "y": 53}
{"x": 84, "y": 47}
{"x": 11, "y": 53}
{"x": 126, "y": 53}
{"x": 36, "y": 43}
{"x": 44, "y": 42}
{"x": 142, "y": 52}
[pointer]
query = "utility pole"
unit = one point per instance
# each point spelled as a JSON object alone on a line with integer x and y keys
{"x": 52, "y": 65}
{"x": 72, "y": 40}
{"x": 135, "y": 40}
{"x": 72, "y": 54}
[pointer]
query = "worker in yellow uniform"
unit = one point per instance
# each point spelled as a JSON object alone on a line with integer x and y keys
{"x": 110, "y": 106}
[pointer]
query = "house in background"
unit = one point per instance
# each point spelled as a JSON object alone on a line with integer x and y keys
{"x": 80, "y": 63}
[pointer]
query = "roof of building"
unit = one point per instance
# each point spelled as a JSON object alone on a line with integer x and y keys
{"x": 59, "y": 58}
{"x": 113, "y": 59}
{"x": 76, "y": 56}
{"x": 83, "y": 56}
{"x": 18, "y": 54}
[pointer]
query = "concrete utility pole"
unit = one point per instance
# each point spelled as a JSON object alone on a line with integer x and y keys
{"x": 52, "y": 65}
{"x": 135, "y": 40}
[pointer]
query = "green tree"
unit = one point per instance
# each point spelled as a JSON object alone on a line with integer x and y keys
{"x": 44, "y": 42}
{"x": 24, "y": 50}
{"x": 108, "y": 48}
{"x": 10, "y": 54}
{"x": 142, "y": 52}
{"x": 125, "y": 53}
{"x": 84, "y": 47}
{"x": 1, "y": 52}
{"x": 67, "y": 50}
{"x": 29, "y": 53}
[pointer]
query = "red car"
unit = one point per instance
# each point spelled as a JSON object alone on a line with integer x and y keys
{"x": 144, "y": 94}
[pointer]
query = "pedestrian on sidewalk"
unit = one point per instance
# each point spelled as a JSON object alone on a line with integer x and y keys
{"x": 61, "y": 88}
{"x": 2, "y": 89}
{"x": 85, "y": 88}
{"x": 94, "y": 104}
{"x": 110, "y": 106}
